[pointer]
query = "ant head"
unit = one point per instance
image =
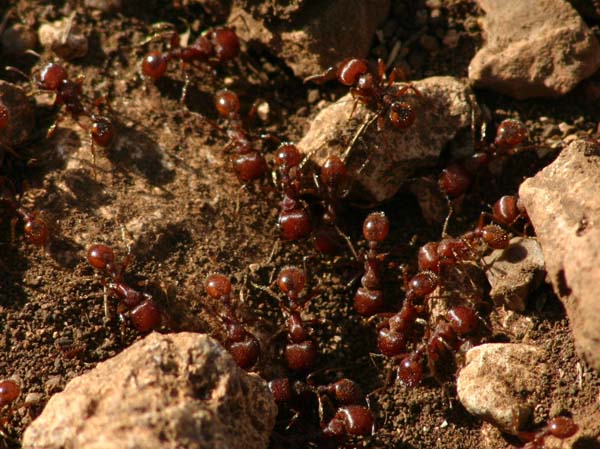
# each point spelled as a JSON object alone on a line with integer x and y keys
{"x": 376, "y": 227}
{"x": 510, "y": 133}
{"x": 227, "y": 103}
{"x": 226, "y": 44}
{"x": 291, "y": 281}
{"x": 249, "y": 166}
{"x": 52, "y": 75}
{"x": 217, "y": 285}
{"x": 288, "y": 156}
{"x": 350, "y": 71}
{"x": 102, "y": 131}
{"x": 154, "y": 65}
{"x": 100, "y": 256}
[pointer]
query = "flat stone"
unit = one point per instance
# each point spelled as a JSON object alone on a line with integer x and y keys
{"x": 310, "y": 39}
{"x": 499, "y": 381}
{"x": 382, "y": 161}
{"x": 515, "y": 272}
{"x": 537, "y": 48}
{"x": 165, "y": 391}
{"x": 563, "y": 204}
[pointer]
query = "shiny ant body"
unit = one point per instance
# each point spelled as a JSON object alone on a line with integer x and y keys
{"x": 248, "y": 162}
{"x": 369, "y": 87}
{"x": 368, "y": 299}
{"x": 139, "y": 307}
{"x": 68, "y": 93}
{"x": 241, "y": 344}
{"x": 214, "y": 47}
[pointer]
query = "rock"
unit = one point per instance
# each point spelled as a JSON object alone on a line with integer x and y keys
{"x": 17, "y": 39}
{"x": 499, "y": 381}
{"x": 564, "y": 207}
{"x": 538, "y": 48}
{"x": 310, "y": 39}
{"x": 381, "y": 161}
{"x": 514, "y": 272}
{"x": 63, "y": 38}
{"x": 21, "y": 115}
{"x": 165, "y": 391}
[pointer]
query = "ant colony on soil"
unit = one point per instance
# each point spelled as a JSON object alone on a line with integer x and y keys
{"x": 359, "y": 317}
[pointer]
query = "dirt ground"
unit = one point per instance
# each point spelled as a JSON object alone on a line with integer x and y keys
{"x": 165, "y": 189}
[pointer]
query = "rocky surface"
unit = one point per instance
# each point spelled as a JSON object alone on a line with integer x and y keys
{"x": 538, "y": 48}
{"x": 564, "y": 208}
{"x": 515, "y": 272}
{"x": 383, "y": 160}
{"x": 21, "y": 119}
{"x": 169, "y": 391}
{"x": 310, "y": 38}
{"x": 498, "y": 385}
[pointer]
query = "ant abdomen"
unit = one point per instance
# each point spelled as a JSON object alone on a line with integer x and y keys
{"x": 146, "y": 316}
{"x": 295, "y": 224}
{"x": 368, "y": 302}
{"x": 301, "y": 356}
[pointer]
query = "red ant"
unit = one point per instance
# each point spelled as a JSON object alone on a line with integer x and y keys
{"x": 559, "y": 427}
{"x": 215, "y": 46}
{"x": 249, "y": 164}
{"x": 368, "y": 299}
{"x": 242, "y": 345}
{"x": 368, "y": 86}
{"x": 141, "y": 309}
{"x": 294, "y": 219}
{"x": 300, "y": 350}
{"x": 53, "y": 77}
{"x": 332, "y": 184}
{"x": 447, "y": 335}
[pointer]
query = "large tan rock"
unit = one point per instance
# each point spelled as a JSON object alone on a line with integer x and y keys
{"x": 382, "y": 161}
{"x": 534, "y": 48}
{"x": 563, "y": 203}
{"x": 165, "y": 391}
{"x": 499, "y": 382}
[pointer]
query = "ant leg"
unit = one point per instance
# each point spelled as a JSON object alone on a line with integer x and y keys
{"x": 358, "y": 133}
{"x": 408, "y": 87}
{"x": 186, "y": 83}
{"x": 347, "y": 239}
{"x": 52, "y": 128}
{"x": 447, "y": 220}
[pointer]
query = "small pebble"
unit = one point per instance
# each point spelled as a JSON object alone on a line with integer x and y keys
{"x": 17, "y": 39}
